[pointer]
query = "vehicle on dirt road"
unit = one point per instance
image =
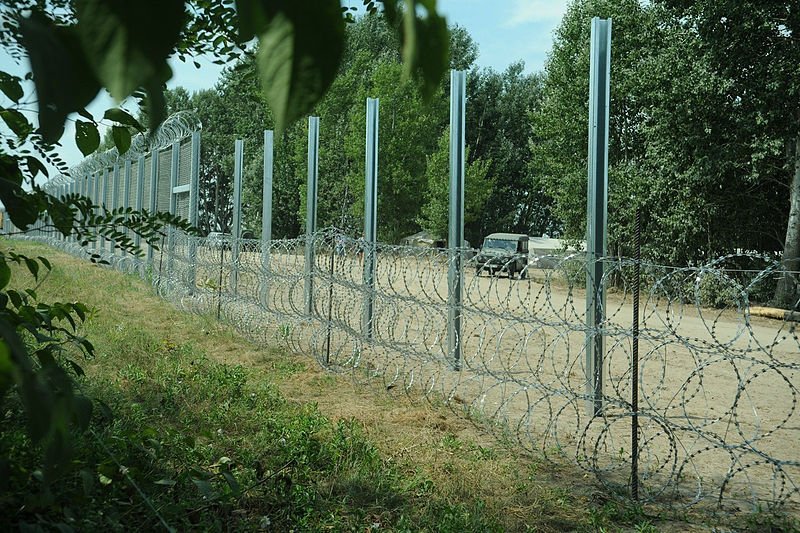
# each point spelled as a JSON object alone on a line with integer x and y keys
{"x": 503, "y": 252}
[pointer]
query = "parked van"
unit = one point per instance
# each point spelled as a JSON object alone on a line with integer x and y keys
{"x": 503, "y": 252}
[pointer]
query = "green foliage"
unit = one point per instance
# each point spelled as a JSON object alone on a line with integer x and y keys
{"x": 695, "y": 138}
{"x": 499, "y": 116}
{"x": 405, "y": 121}
{"x": 86, "y": 137}
{"x": 298, "y": 55}
{"x": 477, "y": 188}
{"x": 39, "y": 343}
{"x": 714, "y": 290}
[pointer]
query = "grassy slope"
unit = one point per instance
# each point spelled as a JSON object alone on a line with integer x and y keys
{"x": 211, "y": 432}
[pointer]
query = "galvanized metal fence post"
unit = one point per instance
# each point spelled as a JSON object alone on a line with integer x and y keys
{"x": 173, "y": 203}
{"x": 238, "y": 160}
{"x": 194, "y": 200}
{"x": 101, "y": 202}
{"x": 95, "y": 201}
{"x": 597, "y": 201}
{"x": 370, "y": 216}
{"x": 137, "y": 240}
{"x": 311, "y": 209}
{"x": 83, "y": 188}
{"x": 153, "y": 198}
{"x": 455, "y": 272}
{"x": 637, "y": 247}
{"x": 266, "y": 214}
{"x": 126, "y": 188}
{"x": 114, "y": 195}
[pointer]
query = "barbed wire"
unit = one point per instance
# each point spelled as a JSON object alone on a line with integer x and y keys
{"x": 718, "y": 410}
{"x": 176, "y": 127}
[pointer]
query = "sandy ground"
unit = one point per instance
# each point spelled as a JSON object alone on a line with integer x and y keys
{"x": 718, "y": 391}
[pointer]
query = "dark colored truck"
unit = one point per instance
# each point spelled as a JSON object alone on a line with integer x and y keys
{"x": 503, "y": 252}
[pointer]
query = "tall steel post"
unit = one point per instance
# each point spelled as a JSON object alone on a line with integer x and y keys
{"x": 194, "y": 195}
{"x": 455, "y": 273}
{"x": 114, "y": 195}
{"x": 238, "y": 160}
{"x": 102, "y": 203}
{"x": 96, "y": 201}
{"x": 173, "y": 203}
{"x": 126, "y": 188}
{"x": 137, "y": 240}
{"x": 153, "y": 198}
{"x": 370, "y": 216}
{"x": 83, "y": 189}
{"x": 311, "y": 208}
{"x": 597, "y": 202}
{"x": 266, "y": 214}
{"x": 70, "y": 189}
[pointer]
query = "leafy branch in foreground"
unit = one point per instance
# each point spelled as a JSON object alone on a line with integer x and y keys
{"x": 39, "y": 343}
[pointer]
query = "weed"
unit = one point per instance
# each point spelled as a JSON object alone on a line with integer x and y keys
{"x": 450, "y": 442}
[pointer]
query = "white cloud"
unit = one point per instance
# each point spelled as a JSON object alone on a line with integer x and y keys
{"x": 528, "y": 11}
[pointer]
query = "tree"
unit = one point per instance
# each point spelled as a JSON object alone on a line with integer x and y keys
{"x": 498, "y": 131}
{"x": 434, "y": 216}
{"x": 695, "y": 136}
{"x": 752, "y": 47}
{"x": 407, "y": 132}
{"x": 558, "y": 142}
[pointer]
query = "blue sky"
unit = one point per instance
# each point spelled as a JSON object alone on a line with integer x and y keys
{"x": 505, "y": 31}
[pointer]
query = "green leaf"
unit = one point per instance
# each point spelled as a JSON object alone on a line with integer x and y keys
{"x": 166, "y": 482}
{"x": 35, "y": 166}
{"x": 86, "y": 137}
{"x": 105, "y": 410}
{"x": 76, "y": 368}
{"x": 156, "y": 105}
{"x": 22, "y": 207}
{"x": 128, "y": 43}
{"x": 88, "y": 481}
{"x": 232, "y": 482}
{"x": 300, "y": 50}
{"x": 426, "y": 44}
{"x": 16, "y": 299}
{"x": 7, "y": 368}
{"x": 253, "y": 17}
{"x": 33, "y": 267}
{"x": 16, "y": 122}
{"x": 83, "y": 411}
{"x": 5, "y": 274}
{"x": 121, "y": 116}
{"x": 63, "y": 79}
{"x": 45, "y": 262}
{"x": 206, "y": 489}
{"x": 80, "y": 310}
{"x": 85, "y": 114}
{"x": 122, "y": 138}
{"x": 11, "y": 87}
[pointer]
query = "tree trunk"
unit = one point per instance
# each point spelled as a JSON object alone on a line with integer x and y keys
{"x": 786, "y": 293}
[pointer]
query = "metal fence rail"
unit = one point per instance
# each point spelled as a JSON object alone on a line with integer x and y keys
{"x": 718, "y": 388}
